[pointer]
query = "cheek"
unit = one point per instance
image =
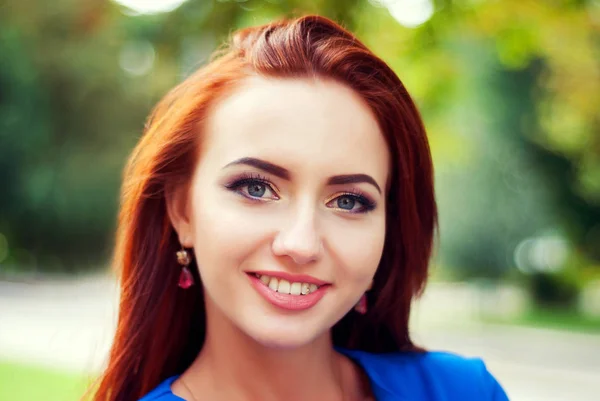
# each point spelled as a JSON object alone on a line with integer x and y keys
{"x": 226, "y": 231}
{"x": 358, "y": 249}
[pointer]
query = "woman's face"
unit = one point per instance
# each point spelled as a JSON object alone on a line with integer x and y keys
{"x": 286, "y": 208}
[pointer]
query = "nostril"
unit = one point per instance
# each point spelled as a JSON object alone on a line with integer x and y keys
{"x": 301, "y": 250}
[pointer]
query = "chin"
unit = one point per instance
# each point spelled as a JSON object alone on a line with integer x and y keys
{"x": 280, "y": 337}
{"x": 288, "y": 343}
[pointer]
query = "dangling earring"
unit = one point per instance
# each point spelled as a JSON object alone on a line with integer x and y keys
{"x": 186, "y": 280}
{"x": 361, "y": 305}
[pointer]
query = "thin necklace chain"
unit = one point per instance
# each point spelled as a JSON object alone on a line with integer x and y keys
{"x": 188, "y": 389}
{"x": 194, "y": 398}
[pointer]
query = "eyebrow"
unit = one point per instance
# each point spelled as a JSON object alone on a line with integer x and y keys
{"x": 263, "y": 165}
{"x": 284, "y": 174}
{"x": 353, "y": 179}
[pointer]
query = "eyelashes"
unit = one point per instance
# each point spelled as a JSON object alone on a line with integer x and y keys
{"x": 259, "y": 185}
{"x": 254, "y": 187}
{"x": 350, "y": 198}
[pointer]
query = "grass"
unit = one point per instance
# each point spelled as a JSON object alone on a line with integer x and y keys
{"x": 553, "y": 319}
{"x": 19, "y": 382}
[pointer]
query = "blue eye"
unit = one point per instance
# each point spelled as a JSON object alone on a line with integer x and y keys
{"x": 253, "y": 188}
{"x": 352, "y": 203}
{"x": 257, "y": 189}
{"x": 346, "y": 202}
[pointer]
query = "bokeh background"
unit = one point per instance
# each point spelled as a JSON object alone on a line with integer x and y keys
{"x": 510, "y": 94}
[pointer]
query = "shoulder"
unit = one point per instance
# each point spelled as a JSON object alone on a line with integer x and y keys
{"x": 430, "y": 375}
{"x": 162, "y": 392}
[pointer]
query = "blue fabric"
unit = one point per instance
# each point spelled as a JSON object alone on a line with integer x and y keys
{"x": 429, "y": 376}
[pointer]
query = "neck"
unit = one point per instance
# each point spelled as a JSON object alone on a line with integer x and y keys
{"x": 232, "y": 365}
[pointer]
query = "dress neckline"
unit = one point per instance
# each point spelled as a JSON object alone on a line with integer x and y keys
{"x": 361, "y": 359}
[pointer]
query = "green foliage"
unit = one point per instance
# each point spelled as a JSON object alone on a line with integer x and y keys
{"x": 508, "y": 90}
{"x": 554, "y": 290}
{"x": 64, "y": 137}
{"x": 551, "y": 318}
{"x": 20, "y": 382}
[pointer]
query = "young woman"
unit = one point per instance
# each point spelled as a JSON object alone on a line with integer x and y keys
{"x": 277, "y": 221}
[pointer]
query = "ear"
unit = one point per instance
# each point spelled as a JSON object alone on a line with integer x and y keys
{"x": 179, "y": 212}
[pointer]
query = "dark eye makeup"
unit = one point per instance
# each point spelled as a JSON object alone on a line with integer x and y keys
{"x": 253, "y": 186}
{"x": 347, "y": 200}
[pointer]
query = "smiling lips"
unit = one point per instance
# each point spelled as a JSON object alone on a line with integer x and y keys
{"x": 283, "y": 286}
{"x": 289, "y": 292}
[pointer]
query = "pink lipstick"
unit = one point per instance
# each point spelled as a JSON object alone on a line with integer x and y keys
{"x": 298, "y": 292}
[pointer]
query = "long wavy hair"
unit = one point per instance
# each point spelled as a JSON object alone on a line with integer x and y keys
{"x": 161, "y": 328}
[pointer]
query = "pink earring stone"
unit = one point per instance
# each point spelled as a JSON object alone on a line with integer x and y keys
{"x": 185, "y": 278}
{"x": 361, "y": 306}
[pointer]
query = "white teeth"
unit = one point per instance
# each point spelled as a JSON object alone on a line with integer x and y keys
{"x": 284, "y": 287}
{"x": 273, "y": 283}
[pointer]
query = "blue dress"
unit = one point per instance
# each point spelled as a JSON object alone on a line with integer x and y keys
{"x": 429, "y": 376}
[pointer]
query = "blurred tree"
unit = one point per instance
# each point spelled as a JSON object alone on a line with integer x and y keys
{"x": 509, "y": 91}
{"x": 562, "y": 130}
{"x": 64, "y": 136}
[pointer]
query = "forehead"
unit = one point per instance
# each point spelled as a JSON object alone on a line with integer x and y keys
{"x": 305, "y": 125}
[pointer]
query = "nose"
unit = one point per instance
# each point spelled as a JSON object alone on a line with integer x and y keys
{"x": 300, "y": 240}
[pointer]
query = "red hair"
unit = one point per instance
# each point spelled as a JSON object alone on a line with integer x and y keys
{"x": 160, "y": 327}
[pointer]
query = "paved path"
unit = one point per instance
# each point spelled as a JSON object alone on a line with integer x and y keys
{"x": 69, "y": 324}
